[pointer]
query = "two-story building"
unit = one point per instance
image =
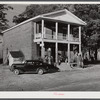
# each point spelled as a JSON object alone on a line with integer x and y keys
{"x": 60, "y": 31}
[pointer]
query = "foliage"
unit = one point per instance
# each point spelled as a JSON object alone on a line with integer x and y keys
{"x": 3, "y": 20}
{"x": 91, "y": 32}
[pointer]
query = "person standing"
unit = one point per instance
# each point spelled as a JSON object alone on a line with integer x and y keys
{"x": 48, "y": 57}
{"x": 80, "y": 60}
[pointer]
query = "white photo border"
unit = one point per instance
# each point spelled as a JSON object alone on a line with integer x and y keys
{"x": 5, "y": 95}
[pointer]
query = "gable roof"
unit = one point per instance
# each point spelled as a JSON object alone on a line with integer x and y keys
{"x": 66, "y": 16}
{"x": 16, "y": 54}
{"x": 59, "y": 16}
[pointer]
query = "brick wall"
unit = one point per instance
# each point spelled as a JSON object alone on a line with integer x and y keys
{"x": 20, "y": 38}
{"x": 35, "y": 51}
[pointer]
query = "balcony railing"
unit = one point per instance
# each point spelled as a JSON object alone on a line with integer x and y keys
{"x": 75, "y": 40}
{"x": 38, "y": 35}
{"x": 49, "y": 36}
{"x": 60, "y": 37}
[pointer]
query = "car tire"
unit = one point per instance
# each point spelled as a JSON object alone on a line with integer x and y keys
{"x": 17, "y": 72}
{"x": 40, "y": 71}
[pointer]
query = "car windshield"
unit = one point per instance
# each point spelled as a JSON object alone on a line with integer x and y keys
{"x": 35, "y": 62}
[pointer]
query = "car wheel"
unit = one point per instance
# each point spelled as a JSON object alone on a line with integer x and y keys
{"x": 40, "y": 71}
{"x": 17, "y": 72}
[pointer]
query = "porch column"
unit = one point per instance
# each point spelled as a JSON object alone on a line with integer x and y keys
{"x": 34, "y": 30}
{"x": 79, "y": 39}
{"x": 42, "y": 42}
{"x": 42, "y": 50}
{"x": 42, "y": 28}
{"x": 68, "y": 43}
{"x": 56, "y": 46}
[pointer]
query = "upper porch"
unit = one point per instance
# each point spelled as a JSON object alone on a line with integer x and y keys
{"x": 59, "y": 26}
{"x": 56, "y": 31}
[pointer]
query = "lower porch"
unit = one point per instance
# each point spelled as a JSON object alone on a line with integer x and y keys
{"x": 60, "y": 52}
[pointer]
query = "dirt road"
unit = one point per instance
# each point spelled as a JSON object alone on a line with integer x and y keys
{"x": 78, "y": 79}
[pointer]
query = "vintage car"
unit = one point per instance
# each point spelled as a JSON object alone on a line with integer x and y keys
{"x": 32, "y": 66}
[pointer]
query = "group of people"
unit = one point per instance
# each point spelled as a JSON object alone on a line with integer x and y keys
{"x": 76, "y": 59}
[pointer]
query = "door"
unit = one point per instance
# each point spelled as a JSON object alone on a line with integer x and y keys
{"x": 29, "y": 66}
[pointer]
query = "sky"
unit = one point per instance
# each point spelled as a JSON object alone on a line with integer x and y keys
{"x": 17, "y": 9}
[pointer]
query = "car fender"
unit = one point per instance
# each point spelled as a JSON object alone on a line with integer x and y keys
{"x": 12, "y": 67}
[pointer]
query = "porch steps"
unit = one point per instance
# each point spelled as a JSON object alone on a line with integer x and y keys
{"x": 64, "y": 67}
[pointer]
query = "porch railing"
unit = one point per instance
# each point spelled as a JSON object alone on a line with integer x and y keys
{"x": 74, "y": 39}
{"x": 62, "y": 37}
{"x": 49, "y": 36}
{"x": 59, "y": 37}
{"x": 38, "y": 35}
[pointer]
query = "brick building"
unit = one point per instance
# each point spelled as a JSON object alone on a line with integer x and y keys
{"x": 60, "y": 31}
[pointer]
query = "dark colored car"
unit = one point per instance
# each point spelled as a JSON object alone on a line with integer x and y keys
{"x": 33, "y": 66}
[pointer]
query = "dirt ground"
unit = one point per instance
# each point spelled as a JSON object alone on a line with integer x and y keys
{"x": 77, "y": 79}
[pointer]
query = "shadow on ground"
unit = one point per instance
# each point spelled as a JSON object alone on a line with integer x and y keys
{"x": 91, "y": 63}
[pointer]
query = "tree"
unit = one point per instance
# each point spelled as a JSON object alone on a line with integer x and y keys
{"x": 3, "y": 20}
{"x": 91, "y": 32}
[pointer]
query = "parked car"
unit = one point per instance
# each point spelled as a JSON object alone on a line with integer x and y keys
{"x": 32, "y": 66}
